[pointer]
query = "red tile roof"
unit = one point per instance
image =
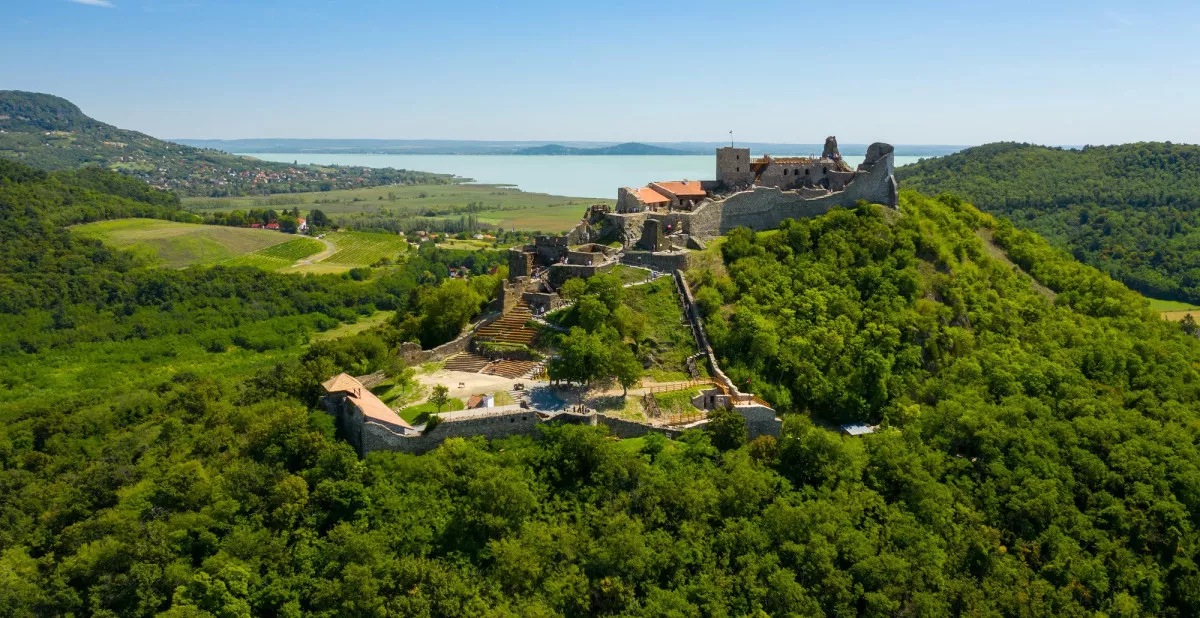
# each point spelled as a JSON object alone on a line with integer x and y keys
{"x": 650, "y": 196}
{"x": 685, "y": 188}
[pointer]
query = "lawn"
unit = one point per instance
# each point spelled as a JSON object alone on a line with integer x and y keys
{"x": 364, "y": 248}
{"x": 420, "y": 413}
{"x": 495, "y": 205}
{"x": 670, "y": 338}
{"x": 177, "y": 245}
{"x": 630, "y": 274}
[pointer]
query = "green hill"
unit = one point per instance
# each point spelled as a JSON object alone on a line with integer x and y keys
{"x": 51, "y": 133}
{"x": 162, "y": 451}
{"x": 628, "y": 148}
{"x": 1132, "y": 210}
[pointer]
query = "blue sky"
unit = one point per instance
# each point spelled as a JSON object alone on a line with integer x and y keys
{"x": 933, "y": 72}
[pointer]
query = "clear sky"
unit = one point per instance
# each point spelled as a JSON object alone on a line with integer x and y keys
{"x": 924, "y": 72}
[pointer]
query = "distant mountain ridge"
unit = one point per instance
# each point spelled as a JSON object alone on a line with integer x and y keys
{"x": 51, "y": 133}
{"x": 628, "y": 148}
{"x": 501, "y": 147}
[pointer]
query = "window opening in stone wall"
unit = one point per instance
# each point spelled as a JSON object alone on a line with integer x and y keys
{"x": 806, "y": 172}
{"x": 824, "y": 170}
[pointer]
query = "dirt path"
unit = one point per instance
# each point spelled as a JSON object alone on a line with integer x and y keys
{"x": 329, "y": 250}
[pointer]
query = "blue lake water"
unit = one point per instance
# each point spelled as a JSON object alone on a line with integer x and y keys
{"x": 575, "y": 176}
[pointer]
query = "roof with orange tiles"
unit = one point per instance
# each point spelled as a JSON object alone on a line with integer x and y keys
{"x": 683, "y": 188}
{"x": 341, "y": 383}
{"x": 376, "y": 411}
{"x": 650, "y": 196}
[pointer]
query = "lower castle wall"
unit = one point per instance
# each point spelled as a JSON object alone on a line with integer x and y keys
{"x": 412, "y": 354}
{"x": 559, "y": 273}
{"x": 661, "y": 261}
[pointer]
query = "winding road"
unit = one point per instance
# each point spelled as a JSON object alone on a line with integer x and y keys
{"x": 330, "y": 248}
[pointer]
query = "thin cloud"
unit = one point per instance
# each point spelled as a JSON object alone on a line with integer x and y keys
{"x": 104, "y": 3}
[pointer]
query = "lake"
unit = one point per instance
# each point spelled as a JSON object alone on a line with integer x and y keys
{"x": 570, "y": 175}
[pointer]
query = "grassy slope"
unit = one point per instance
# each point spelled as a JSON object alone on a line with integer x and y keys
{"x": 495, "y": 205}
{"x": 178, "y": 245}
{"x": 363, "y": 248}
{"x": 673, "y": 342}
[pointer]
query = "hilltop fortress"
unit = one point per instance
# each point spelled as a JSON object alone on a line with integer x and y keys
{"x": 755, "y": 193}
{"x": 657, "y": 227}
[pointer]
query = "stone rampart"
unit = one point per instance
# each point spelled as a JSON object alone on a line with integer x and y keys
{"x": 661, "y": 261}
{"x": 624, "y": 429}
{"x": 412, "y": 354}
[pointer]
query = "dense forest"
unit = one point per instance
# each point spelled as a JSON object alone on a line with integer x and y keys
{"x": 51, "y": 133}
{"x": 1132, "y": 210}
{"x": 161, "y": 453}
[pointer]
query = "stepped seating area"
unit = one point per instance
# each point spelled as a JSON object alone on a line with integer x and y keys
{"x": 510, "y": 328}
{"x": 466, "y": 361}
{"x": 511, "y": 369}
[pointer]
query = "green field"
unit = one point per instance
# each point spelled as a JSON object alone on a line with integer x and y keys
{"x": 281, "y": 256}
{"x": 364, "y": 248}
{"x": 1169, "y": 305}
{"x": 495, "y": 205}
{"x": 177, "y": 245}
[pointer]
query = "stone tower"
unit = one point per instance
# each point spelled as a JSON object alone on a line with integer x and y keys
{"x": 733, "y": 166}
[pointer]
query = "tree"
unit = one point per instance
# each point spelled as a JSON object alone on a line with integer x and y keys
{"x": 1188, "y": 323}
{"x": 573, "y": 289}
{"x": 625, "y": 367}
{"x": 317, "y": 218}
{"x": 288, "y": 224}
{"x": 727, "y": 427}
{"x": 439, "y": 397}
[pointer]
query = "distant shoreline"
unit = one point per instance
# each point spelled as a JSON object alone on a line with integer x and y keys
{"x": 535, "y": 148}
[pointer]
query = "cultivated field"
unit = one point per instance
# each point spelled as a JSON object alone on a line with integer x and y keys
{"x": 364, "y": 248}
{"x": 495, "y": 205}
{"x": 281, "y": 256}
{"x": 177, "y": 245}
{"x": 1173, "y": 310}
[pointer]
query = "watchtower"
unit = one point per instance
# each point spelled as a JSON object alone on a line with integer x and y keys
{"x": 733, "y": 166}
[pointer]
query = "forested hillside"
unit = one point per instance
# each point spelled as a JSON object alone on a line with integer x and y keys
{"x": 51, "y": 133}
{"x": 160, "y": 450}
{"x": 1132, "y": 210}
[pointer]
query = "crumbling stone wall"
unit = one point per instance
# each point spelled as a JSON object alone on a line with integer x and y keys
{"x": 662, "y": 261}
{"x": 412, "y": 354}
{"x": 763, "y": 208}
{"x": 559, "y": 273}
{"x": 520, "y": 262}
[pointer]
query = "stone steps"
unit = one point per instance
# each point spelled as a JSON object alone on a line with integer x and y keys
{"x": 466, "y": 361}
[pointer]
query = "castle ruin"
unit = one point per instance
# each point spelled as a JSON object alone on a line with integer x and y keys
{"x": 757, "y": 193}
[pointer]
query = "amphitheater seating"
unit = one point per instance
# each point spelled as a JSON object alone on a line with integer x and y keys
{"x": 466, "y": 361}
{"x": 511, "y": 369}
{"x": 510, "y": 328}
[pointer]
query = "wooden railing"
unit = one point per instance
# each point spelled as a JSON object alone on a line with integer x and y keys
{"x": 679, "y": 386}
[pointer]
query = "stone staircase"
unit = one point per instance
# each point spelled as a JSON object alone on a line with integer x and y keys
{"x": 510, "y": 328}
{"x": 511, "y": 369}
{"x": 466, "y": 361}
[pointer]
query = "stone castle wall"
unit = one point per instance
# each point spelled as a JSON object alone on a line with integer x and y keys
{"x": 412, "y": 354}
{"x": 763, "y": 207}
{"x": 660, "y": 261}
